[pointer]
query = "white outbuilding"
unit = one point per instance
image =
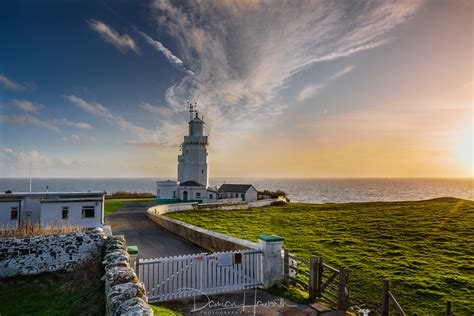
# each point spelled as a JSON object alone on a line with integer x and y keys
{"x": 51, "y": 209}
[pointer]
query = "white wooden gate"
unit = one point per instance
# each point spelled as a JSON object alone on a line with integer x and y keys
{"x": 171, "y": 278}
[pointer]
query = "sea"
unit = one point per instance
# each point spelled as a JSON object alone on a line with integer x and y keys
{"x": 298, "y": 190}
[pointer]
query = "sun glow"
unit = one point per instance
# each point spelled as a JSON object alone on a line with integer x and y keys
{"x": 464, "y": 147}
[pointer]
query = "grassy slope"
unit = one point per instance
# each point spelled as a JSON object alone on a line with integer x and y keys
{"x": 114, "y": 205}
{"x": 423, "y": 248}
{"x": 60, "y": 293}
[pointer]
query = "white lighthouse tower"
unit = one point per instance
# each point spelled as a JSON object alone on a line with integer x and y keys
{"x": 192, "y": 162}
{"x": 193, "y": 173}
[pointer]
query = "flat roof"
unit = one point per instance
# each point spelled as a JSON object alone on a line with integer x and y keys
{"x": 85, "y": 199}
{"x": 52, "y": 194}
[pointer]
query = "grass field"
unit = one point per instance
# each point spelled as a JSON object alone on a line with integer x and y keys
{"x": 113, "y": 205}
{"x": 425, "y": 249}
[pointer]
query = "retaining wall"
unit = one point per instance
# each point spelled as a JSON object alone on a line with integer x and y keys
{"x": 38, "y": 254}
{"x": 204, "y": 238}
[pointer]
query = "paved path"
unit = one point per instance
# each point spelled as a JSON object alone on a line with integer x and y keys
{"x": 152, "y": 240}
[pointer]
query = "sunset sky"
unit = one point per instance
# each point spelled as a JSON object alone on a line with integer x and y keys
{"x": 287, "y": 88}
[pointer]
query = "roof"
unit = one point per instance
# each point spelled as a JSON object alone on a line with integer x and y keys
{"x": 239, "y": 188}
{"x": 190, "y": 184}
{"x": 197, "y": 120}
{"x": 60, "y": 195}
{"x": 62, "y": 200}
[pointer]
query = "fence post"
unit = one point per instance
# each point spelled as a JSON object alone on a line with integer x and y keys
{"x": 385, "y": 298}
{"x": 448, "y": 308}
{"x": 342, "y": 300}
{"x": 272, "y": 260}
{"x": 319, "y": 278}
{"x": 286, "y": 267}
{"x": 313, "y": 278}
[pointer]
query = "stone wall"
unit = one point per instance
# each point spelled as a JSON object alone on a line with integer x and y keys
{"x": 125, "y": 295}
{"x": 38, "y": 254}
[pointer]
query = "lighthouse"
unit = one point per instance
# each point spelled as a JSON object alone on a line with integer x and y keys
{"x": 192, "y": 184}
{"x": 193, "y": 173}
{"x": 192, "y": 162}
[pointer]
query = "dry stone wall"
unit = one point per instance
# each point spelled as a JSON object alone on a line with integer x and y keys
{"x": 38, "y": 254}
{"x": 125, "y": 294}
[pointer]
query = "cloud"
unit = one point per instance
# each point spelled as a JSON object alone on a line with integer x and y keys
{"x": 15, "y": 86}
{"x": 166, "y": 132}
{"x": 163, "y": 111}
{"x": 145, "y": 144}
{"x": 11, "y": 157}
{"x": 27, "y": 105}
{"x": 314, "y": 89}
{"x": 167, "y": 53}
{"x": 309, "y": 91}
{"x": 122, "y": 42}
{"x": 27, "y": 120}
{"x": 244, "y": 53}
{"x": 80, "y": 125}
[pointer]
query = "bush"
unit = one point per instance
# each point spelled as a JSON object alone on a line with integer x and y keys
{"x": 273, "y": 194}
{"x": 279, "y": 203}
{"x": 130, "y": 195}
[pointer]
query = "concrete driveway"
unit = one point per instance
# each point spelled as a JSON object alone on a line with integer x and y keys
{"x": 152, "y": 240}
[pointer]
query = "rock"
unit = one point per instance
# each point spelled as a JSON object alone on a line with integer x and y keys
{"x": 123, "y": 292}
{"x": 134, "y": 306}
{"x": 120, "y": 275}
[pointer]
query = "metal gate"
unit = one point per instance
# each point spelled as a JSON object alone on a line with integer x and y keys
{"x": 176, "y": 277}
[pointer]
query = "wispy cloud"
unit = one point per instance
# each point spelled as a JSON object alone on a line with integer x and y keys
{"x": 240, "y": 72}
{"x": 122, "y": 42}
{"x": 166, "y": 132}
{"x": 163, "y": 111}
{"x": 146, "y": 144}
{"x": 27, "y": 105}
{"x": 166, "y": 52}
{"x": 312, "y": 90}
{"x": 14, "y": 86}
{"x": 27, "y": 120}
{"x": 80, "y": 125}
{"x": 10, "y": 156}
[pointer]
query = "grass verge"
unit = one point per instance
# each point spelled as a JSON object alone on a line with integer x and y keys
{"x": 424, "y": 248}
{"x": 113, "y": 205}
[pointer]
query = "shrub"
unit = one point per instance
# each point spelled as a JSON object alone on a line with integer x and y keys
{"x": 130, "y": 195}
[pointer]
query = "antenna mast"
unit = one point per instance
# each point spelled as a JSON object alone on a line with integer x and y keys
{"x": 191, "y": 110}
{"x": 30, "y": 176}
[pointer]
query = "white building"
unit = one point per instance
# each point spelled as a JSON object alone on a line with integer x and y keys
{"x": 193, "y": 170}
{"x": 52, "y": 209}
{"x": 246, "y": 192}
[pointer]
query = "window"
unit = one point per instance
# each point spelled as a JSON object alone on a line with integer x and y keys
{"x": 65, "y": 212}
{"x": 174, "y": 194}
{"x": 210, "y": 197}
{"x": 202, "y": 171}
{"x": 198, "y": 194}
{"x": 88, "y": 212}
{"x": 14, "y": 212}
{"x": 242, "y": 195}
{"x": 186, "y": 151}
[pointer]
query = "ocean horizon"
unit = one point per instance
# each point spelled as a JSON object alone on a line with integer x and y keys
{"x": 307, "y": 190}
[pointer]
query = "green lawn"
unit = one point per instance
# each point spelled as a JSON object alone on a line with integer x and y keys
{"x": 113, "y": 205}
{"x": 424, "y": 248}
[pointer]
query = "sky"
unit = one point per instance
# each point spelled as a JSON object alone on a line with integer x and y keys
{"x": 287, "y": 89}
